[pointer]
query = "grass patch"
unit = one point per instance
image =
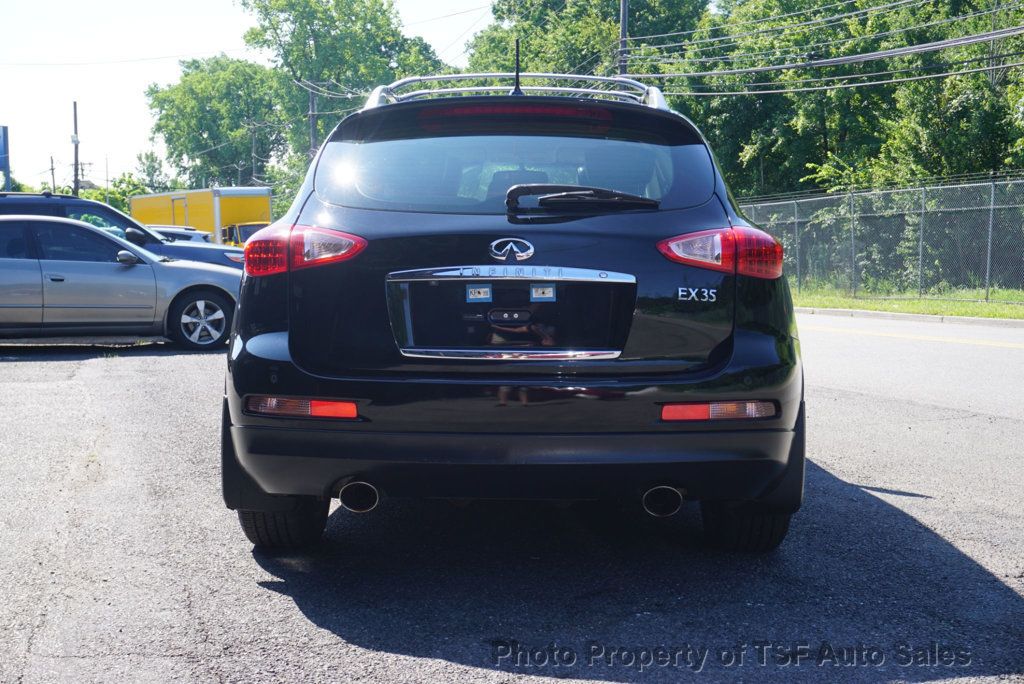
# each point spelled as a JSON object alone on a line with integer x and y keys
{"x": 818, "y": 299}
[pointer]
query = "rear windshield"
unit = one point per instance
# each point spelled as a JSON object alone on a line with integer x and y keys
{"x": 464, "y": 158}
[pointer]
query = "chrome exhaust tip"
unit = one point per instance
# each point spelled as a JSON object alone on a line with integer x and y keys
{"x": 358, "y": 497}
{"x": 662, "y": 501}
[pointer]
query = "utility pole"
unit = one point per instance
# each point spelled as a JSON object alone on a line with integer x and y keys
{"x": 312, "y": 124}
{"x": 252, "y": 174}
{"x": 623, "y": 33}
{"x": 53, "y": 176}
{"x": 106, "y": 179}
{"x": 76, "y": 183}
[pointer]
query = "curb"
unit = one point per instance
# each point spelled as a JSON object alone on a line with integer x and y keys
{"x": 926, "y": 318}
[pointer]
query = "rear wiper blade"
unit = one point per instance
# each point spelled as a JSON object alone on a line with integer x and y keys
{"x": 578, "y": 196}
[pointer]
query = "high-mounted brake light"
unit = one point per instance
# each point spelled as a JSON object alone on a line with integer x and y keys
{"x": 477, "y": 110}
{"x": 301, "y": 408}
{"x": 277, "y": 249}
{"x": 741, "y": 249}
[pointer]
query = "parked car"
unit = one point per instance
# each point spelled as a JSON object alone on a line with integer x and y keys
{"x": 180, "y": 233}
{"x": 104, "y": 216}
{"x": 61, "y": 277}
{"x": 540, "y": 296}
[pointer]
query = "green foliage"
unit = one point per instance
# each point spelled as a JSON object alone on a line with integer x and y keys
{"x": 574, "y": 36}
{"x": 121, "y": 188}
{"x": 221, "y": 116}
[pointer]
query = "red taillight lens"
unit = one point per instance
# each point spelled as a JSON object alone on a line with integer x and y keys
{"x": 301, "y": 408}
{"x": 276, "y": 249}
{"x": 312, "y": 246}
{"x": 759, "y": 254}
{"x": 266, "y": 252}
{"x": 742, "y": 250}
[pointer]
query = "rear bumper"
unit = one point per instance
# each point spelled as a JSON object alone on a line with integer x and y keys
{"x": 711, "y": 465}
{"x": 545, "y": 439}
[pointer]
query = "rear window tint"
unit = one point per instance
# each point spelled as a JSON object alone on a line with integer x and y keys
{"x": 464, "y": 158}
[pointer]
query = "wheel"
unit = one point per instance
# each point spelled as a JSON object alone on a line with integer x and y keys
{"x": 737, "y": 528}
{"x": 302, "y": 526}
{"x": 200, "y": 319}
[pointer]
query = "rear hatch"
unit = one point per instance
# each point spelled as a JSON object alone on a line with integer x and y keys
{"x": 451, "y": 282}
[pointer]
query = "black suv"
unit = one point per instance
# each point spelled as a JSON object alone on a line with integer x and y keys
{"x": 547, "y": 296}
{"x": 106, "y": 217}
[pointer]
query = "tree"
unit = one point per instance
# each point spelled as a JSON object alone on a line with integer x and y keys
{"x": 121, "y": 188}
{"x": 151, "y": 170}
{"x": 580, "y": 36}
{"x": 338, "y": 49}
{"x": 222, "y": 122}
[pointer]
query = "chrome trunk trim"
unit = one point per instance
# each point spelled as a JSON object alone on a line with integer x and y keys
{"x": 498, "y": 354}
{"x": 512, "y": 272}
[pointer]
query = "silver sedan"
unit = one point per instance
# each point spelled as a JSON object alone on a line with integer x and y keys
{"x": 60, "y": 277}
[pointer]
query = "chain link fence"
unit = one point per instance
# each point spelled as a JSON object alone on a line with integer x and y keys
{"x": 950, "y": 242}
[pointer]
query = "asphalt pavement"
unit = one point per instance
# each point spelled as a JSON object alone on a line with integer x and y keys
{"x": 118, "y": 561}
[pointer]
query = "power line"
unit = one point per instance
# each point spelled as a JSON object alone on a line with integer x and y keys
{"x": 842, "y": 86}
{"x": 804, "y": 49}
{"x": 750, "y": 22}
{"x": 128, "y": 60}
{"x": 445, "y": 16}
{"x": 904, "y": 70}
{"x": 853, "y": 59}
{"x": 898, "y": 4}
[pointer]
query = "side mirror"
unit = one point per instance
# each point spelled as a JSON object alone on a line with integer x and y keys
{"x": 135, "y": 236}
{"x": 127, "y": 258}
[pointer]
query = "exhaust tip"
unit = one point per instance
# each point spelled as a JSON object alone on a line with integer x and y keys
{"x": 359, "y": 497}
{"x": 662, "y": 501}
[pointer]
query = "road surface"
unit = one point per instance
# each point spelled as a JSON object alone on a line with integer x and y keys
{"x": 907, "y": 562}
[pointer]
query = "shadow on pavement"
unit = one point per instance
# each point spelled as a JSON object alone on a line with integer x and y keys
{"x": 79, "y": 352}
{"x": 493, "y": 583}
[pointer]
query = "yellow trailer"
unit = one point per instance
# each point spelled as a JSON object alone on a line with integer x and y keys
{"x": 218, "y": 211}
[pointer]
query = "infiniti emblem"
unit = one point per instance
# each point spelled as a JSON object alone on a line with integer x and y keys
{"x": 505, "y": 248}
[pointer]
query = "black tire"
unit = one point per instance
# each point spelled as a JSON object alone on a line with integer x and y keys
{"x": 294, "y": 529}
{"x": 737, "y": 528}
{"x": 212, "y": 325}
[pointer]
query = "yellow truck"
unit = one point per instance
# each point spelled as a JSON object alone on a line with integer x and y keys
{"x": 230, "y": 215}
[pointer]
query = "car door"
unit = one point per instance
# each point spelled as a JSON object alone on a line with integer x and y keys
{"x": 21, "y": 281}
{"x": 85, "y": 288}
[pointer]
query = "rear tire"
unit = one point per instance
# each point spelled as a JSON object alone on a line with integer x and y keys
{"x": 737, "y": 528}
{"x": 200, "y": 319}
{"x": 300, "y": 527}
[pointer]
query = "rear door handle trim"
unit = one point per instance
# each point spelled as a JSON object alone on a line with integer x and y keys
{"x": 55, "y": 278}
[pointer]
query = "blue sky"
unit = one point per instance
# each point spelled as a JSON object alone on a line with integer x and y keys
{"x": 64, "y": 50}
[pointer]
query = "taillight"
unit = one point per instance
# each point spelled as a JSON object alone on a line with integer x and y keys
{"x": 743, "y": 250}
{"x": 301, "y": 408}
{"x": 717, "y": 410}
{"x": 266, "y": 252}
{"x": 312, "y": 246}
{"x": 278, "y": 249}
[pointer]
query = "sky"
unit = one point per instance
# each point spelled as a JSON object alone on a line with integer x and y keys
{"x": 105, "y": 53}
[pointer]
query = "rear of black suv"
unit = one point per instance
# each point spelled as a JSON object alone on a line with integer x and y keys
{"x": 514, "y": 297}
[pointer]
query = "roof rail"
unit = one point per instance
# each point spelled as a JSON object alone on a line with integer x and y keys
{"x": 568, "y": 85}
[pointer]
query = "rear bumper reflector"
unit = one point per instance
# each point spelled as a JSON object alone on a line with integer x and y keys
{"x": 718, "y": 410}
{"x": 301, "y": 408}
